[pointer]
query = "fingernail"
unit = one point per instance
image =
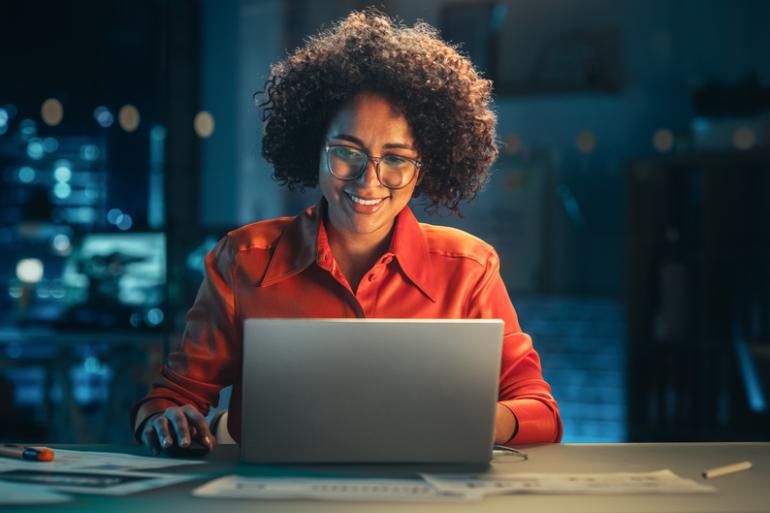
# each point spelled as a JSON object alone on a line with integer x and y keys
{"x": 207, "y": 440}
{"x": 185, "y": 441}
{"x": 166, "y": 442}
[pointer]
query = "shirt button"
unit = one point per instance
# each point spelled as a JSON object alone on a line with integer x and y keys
{"x": 372, "y": 277}
{"x": 387, "y": 260}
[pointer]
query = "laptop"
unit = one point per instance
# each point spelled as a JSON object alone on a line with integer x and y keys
{"x": 370, "y": 390}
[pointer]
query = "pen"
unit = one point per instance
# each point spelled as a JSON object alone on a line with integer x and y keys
{"x": 26, "y": 453}
{"x": 727, "y": 469}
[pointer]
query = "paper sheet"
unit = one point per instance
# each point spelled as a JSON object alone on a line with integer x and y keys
{"x": 383, "y": 490}
{"x": 14, "y": 493}
{"x": 102, "y": 482}
{"x": 93, "y": 460}
{"x": 481, "y": 485}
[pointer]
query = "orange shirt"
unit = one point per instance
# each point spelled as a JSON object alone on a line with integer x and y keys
{"x": 284, "y": 268}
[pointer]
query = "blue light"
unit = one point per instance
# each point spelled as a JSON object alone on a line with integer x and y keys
{"x": 124, "y": 222}
{"x": 35, "y": 149}
{"x": 158, "y": 133}
{"x": 62, "y": 190}
{"x": 28, "y": 129}
{"x": 26, "y": 174}
{"x": 63, "y": 171}
{"x": 91, "y": 192}
{"x": 103, "y": 116}
{"x": 50, "y": 144}
{"x": 154, "y": 316}
{"x": 3, "y": 129}
{"x": 113, "y": 215}
{"x": 89, "y": 152}
{"x": 751, "y": 378}
{"x": 3, "y": 117}
{"x": 700, "y": 124}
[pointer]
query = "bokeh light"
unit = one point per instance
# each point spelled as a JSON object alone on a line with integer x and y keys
{"x": 52, "y": 112}
{"x": 203, "y": 124}
{"x": 154, "y": 316}
{"x": 113, "y": 215}
{"x": 663, "y": 140}
{"x": 512, "y": 144}
{"x": 62, "y": 171}
{"x": 35, "y": 149}
{"x": 29, "y": 270}
{"x": 129, "y": 118}
{"x": 50, "y": 144}
{"x": 103, "y": 116}
{"x": 744, "y": 138}
{"x": 26, "y": 174}
{"x": 124, "y": 222}
{"x": 61, "y": 244}
{"x": 585, "y": 141}
{"x": 89, "y": 152}
{"x": 62, "y": 190}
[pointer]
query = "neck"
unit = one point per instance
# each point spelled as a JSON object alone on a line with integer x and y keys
{"x": 358, "y": 248}
{"x": 356, "y": 253}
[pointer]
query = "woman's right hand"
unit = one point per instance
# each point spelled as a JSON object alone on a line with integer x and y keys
{"x": 178, "y": 425}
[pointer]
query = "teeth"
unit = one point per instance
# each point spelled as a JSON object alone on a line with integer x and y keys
{"x": 362, "y": 201}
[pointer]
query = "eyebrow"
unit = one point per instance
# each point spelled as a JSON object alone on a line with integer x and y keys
{"x": 356, "y": 140}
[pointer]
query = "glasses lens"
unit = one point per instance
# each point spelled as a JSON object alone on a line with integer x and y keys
{"x": 396, "y": 171}
{"x": 346, "y": 162}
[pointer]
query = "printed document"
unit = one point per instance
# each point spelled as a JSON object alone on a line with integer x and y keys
{"x": 94, "y": 460}
{"x": 101, "y": 482}
{"x": 383, "y": 490}
{"x": 483, "y": 484}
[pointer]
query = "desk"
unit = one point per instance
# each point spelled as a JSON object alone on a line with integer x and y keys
{"x": 737, "y": 493}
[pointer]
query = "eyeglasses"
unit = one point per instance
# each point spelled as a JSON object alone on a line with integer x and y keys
{"x": 393, "y": 171}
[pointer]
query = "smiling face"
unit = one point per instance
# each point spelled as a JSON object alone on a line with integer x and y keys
{"x": 365, "y": 207}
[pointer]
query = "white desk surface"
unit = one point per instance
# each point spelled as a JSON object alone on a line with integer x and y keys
{"x": 747, "y": 491}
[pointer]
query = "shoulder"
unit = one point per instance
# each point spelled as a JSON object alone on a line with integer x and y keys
{"x": 447, "y": 242}
{"x": 260, "y": 235}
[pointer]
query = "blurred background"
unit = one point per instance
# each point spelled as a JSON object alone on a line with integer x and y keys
{"x": 630, "y": 204}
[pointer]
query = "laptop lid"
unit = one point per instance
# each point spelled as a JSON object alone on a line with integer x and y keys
{"x": 370, "y": 390}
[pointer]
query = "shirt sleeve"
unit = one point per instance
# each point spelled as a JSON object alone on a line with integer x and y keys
{"x": 522, "y": 387}
{"x": 206, "y": 359}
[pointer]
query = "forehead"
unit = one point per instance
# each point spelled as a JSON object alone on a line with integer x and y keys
{"x": 371, "y": 115}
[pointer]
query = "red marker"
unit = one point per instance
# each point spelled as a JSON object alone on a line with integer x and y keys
{"x": 26, "y": 453}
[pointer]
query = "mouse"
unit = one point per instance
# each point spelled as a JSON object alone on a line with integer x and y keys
{"x": 196, "y": 449}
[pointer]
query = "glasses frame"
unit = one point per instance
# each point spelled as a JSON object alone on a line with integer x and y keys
{"x": 370, "y": 158}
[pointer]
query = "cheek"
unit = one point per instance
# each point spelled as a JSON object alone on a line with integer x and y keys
{"x": 326, "y": 184}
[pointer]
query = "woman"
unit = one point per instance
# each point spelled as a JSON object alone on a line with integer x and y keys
{"x": 374, "y": 113}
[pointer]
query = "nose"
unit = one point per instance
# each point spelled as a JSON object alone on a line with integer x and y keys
{"x": 369, "y": 177}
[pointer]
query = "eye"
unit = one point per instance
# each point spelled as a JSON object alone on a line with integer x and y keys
{"x": 347, "y": 154}
{"x": 395, "y": 161}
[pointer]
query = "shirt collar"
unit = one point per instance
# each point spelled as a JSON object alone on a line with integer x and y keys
{"x": 304, "y": 241}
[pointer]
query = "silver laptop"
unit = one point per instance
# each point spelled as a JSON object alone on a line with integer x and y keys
{"x": 370, "y": 390}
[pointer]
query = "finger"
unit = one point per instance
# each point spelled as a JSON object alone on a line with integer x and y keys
{"x": 200, "y": 424}
{"x": 180, "y": 425}
{"x": 150, "y": 440}
{"x": 161, "y": 425}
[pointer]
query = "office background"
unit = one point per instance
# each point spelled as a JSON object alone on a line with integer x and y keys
{"x": 629, "y": 204}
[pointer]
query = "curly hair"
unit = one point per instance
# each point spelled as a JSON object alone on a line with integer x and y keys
{"x": 443, "y": 98}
